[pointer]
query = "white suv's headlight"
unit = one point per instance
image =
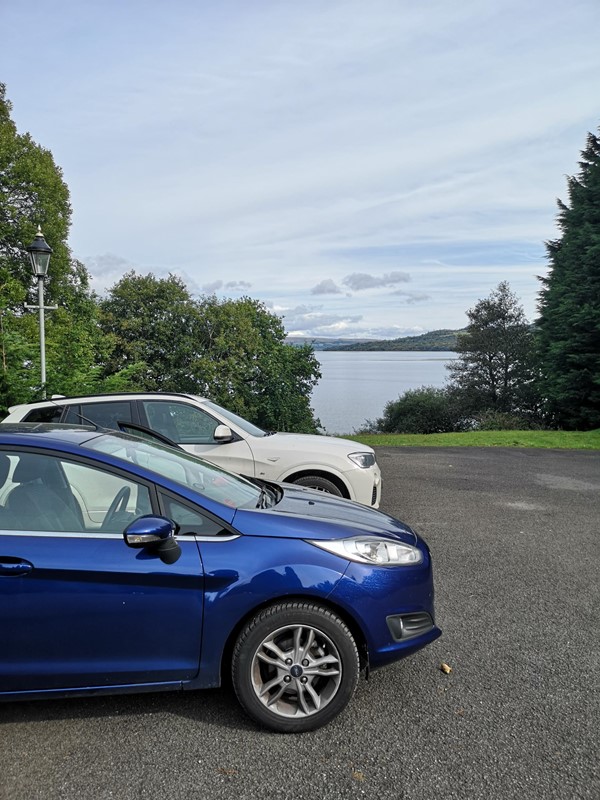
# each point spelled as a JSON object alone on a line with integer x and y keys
{"x": 372, "y": 550}
{"x": 363, "y": 460}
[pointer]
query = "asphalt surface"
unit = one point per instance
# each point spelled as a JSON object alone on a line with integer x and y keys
{"x": 515, "y": 541}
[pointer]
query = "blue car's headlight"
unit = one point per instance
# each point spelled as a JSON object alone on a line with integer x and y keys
{"x": 363, "y": 460}
{"x": 373, "y": 550}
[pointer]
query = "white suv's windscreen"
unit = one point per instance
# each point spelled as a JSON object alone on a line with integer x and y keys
{"x": 242, "y": 423}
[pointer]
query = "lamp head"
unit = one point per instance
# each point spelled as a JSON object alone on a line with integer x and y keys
{"x": 39, "y": 255}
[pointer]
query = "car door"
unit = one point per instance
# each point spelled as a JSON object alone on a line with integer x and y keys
{"x": 193, "y": 429}
{"x": 78, "y": 608}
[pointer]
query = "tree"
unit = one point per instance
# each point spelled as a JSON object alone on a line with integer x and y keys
{"x": 248, "y": 367}
{"x": 568, "y": 331}
{"x": 232, "y": 351}
{"x": 32, "y": 193}
{"x": 155, "y": 326}
{"x": 75, "y": 347}
{"x": 496, "y": 364}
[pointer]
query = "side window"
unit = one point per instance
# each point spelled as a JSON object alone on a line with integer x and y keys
{"x": 108, "y": 502}
{"x": 50, "y": 414}
{"x": 181, "y": 423}
{"x": 41, "y": 492}
{"x": 190, "y": 520}
{"x": 104, "y": 414}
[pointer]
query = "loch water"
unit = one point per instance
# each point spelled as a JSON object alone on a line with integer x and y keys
{"x": 355, "y": 386}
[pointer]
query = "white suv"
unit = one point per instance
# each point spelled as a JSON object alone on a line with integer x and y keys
{"x": 205, "y": 429}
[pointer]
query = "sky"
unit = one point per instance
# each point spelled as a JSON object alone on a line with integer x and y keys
{"x": 365, "y": 169}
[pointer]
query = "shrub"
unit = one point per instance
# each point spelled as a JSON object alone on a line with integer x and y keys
{"x": 492, "y": 420}
{"x": 424, "y": 410}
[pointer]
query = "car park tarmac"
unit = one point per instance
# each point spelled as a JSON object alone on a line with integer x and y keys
{"x": 515, "y": 542}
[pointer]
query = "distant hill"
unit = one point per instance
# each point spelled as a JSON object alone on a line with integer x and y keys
{"x": 433, "y": 340}
{"x": 323, "y": 344}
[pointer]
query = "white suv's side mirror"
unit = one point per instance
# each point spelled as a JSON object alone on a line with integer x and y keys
{"x": 223, "y": 434}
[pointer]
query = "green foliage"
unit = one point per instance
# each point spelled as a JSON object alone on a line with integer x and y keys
{"x": 568, "y": 331}
{"x": 74, "y": 348}
{"x": 496, "y": 365}
{"x": 32, "y": 193}
{"x": 492, "y": 381}
{"x": 15, "y": 346}
{"x": 424, "y": 410}
{"x": 232, "y": 351}
{"x": 248, "y": 368}
{"x": 153, "y": 322}
{"x": 492, "y": 420}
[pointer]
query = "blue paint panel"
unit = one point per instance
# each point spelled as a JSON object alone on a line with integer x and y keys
{"x": 94, "y": 612}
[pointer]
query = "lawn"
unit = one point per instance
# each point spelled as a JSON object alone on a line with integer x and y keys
{"x": 564, "y": 440}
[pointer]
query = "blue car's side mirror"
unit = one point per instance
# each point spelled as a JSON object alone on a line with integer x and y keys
{"x": 155, "y": 533}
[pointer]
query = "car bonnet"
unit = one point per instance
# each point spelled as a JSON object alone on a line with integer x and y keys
{"x": 306, "y": 513}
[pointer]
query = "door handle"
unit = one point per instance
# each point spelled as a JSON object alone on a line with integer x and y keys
{"x": 14, "y": 566}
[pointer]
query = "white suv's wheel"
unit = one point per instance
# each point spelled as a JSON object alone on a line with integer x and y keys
{"x": 319, "y": 483}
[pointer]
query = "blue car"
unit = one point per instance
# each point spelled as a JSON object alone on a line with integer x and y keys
{"x": 130, "y": 566}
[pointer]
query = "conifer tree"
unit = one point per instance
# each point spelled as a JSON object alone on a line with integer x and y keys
{"x": 569, "y": 303}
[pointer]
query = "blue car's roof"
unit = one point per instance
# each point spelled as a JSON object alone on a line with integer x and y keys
{"x": 30, "y": 432}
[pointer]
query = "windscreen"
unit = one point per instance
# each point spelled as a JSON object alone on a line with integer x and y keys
{"x": 183, "y": 468}
{"x": 242, "y": 423}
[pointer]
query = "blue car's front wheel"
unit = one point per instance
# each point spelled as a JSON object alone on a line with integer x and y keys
{"x": 295, "y": 667}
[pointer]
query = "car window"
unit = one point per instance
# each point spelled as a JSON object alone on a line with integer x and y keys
{"x": 179, "y": 422}
{"x": 49, "y": 414}
{"x": 106, "y": 415}
{"x": 42, "y": 492}
{"x": 175, "y": 464}
{"x": 190, "y": 520}
{"x": 242, "y": 423}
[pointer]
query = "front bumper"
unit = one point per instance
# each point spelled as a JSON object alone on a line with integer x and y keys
{"x": 365, "y": 485}
{"x": 392, "y": 605}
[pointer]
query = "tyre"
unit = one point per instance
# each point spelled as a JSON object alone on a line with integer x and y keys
{"x": 319, "y": 483}
{"x": 295, "y": 667}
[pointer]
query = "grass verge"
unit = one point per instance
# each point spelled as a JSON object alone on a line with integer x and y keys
{"x": 562, "y": 440}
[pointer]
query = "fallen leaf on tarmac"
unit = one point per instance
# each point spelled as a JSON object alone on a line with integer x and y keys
{"x": 358, "y": 775}
{"x": 446, "y": 669}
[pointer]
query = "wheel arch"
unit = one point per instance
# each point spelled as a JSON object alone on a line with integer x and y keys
{"x": 330, "y": 476}
{"x": 353, "y": 626}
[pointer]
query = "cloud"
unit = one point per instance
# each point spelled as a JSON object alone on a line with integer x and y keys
{"x": 312, "y": 321}
{"x": 361, "y": 280}
{"x": 412, "y": 297}
{"x": 215, "y": 286}
{"x": 211, "y": 288}
{"x": 238, "y": 285}
{"x": 326, "y": 287}
{"x": 106, "y": 270}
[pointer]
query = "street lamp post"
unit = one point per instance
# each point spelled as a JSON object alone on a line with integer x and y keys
{"x": 39, "y": 254}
